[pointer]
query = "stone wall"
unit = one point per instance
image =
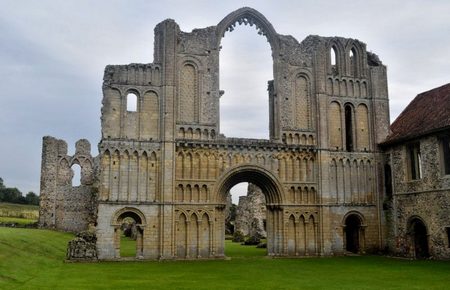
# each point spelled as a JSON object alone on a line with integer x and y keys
{"x": 426, "y": 199}
{"x": 83, "y": 247}
{"x": 63, "y": 206}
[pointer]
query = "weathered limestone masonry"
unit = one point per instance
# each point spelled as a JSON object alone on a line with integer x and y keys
{"x": 425, "y": 200}
{"x": 63, "y": 206}
{"x": 167, "y": 166}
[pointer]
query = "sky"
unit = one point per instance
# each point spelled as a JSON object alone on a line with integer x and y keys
{"x": 53, "y": 53}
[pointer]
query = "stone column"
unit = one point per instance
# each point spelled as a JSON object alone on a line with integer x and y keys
{"x": 211, "y": 238}
{"x": 117, "y": 242}
{"x": 297, "y": 235}
{"x": 199, "y": 242}
{"x": 188, "y": 238}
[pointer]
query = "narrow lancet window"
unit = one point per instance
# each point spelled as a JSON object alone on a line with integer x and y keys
{"x": 348, "y": 128}
{"x": 415, "y": 162}
{"x": 333, "y": 58}
{"x": 353, "y": 63}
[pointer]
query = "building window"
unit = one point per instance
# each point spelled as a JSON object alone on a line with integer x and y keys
{"x": 131, "y": 102}
{"x": 388, "y": 181}
{"x": 76, "y": 178}
{"x": 447, "y": 231}
{"x": 348, "y": 128}
{"x": 445, "y": 143}
{"x": 353, "y": 63}
{"x": 333, "y": 60}
{"x": 415, "y": 161}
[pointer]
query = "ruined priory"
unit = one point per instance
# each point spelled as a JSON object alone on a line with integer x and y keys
{"x": 327, "y": 181}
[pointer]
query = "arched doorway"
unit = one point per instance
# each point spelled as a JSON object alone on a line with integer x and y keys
{"x": 353, "y": 232}
{"x": 128, "y": 233}
{"x": 272, "y": 191}
{"x": 419, "y": 237}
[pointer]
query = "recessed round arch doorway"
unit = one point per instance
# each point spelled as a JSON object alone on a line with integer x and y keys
{"x": 273, "y": 192}
{"x": 418, "y": 235}
{"x": 139, "y": 223}
{"x": 354, "y": 234}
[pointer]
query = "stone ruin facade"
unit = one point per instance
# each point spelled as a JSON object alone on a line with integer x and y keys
{"x": 63, "y": 206}
{"x": 167, "y": 166}
{"x": 251, "y": 213}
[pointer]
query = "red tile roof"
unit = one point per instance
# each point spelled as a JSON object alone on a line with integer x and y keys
{"x": 428, "y": 112}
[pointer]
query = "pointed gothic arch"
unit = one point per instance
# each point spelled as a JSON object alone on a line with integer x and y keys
{"x": 249, "y": 16}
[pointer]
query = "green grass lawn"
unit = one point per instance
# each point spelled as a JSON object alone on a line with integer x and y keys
{"x": 34, "y": 259}
{"x": 127, "y": 247}
{"x": 236, "y": 250}
{"x": 14, "y": 220}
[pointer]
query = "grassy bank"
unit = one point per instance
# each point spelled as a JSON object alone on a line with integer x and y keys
{"x": 34, "y": 259}
{"x": 25, "y": 211}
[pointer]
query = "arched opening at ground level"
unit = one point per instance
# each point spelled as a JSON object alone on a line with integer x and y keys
{"x": 245, "y": 220}
{"x": 128, "y": 233}
{"x": 354, "y": 233}
{"x": 272, "y": 191}
{"x": 419, "y": 238}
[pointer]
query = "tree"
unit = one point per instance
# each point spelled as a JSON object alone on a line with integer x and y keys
{"x": 13, "y": 195}
{"x": 32, "y": 198}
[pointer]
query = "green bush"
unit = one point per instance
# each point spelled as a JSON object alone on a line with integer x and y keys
{"x": 238, "y": 237}
{"x": 252, "y": 240}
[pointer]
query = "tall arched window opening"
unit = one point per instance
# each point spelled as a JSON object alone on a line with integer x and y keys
{"x": 131, "y": 102}
{"x": 246, "y": 67}
{"x": 388, "y": 181}
{"x": 348, "y": 128}
{"x": 353, "y": 63}
{"x": 333, "y": 59}
{"x": 76, "y": 180}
